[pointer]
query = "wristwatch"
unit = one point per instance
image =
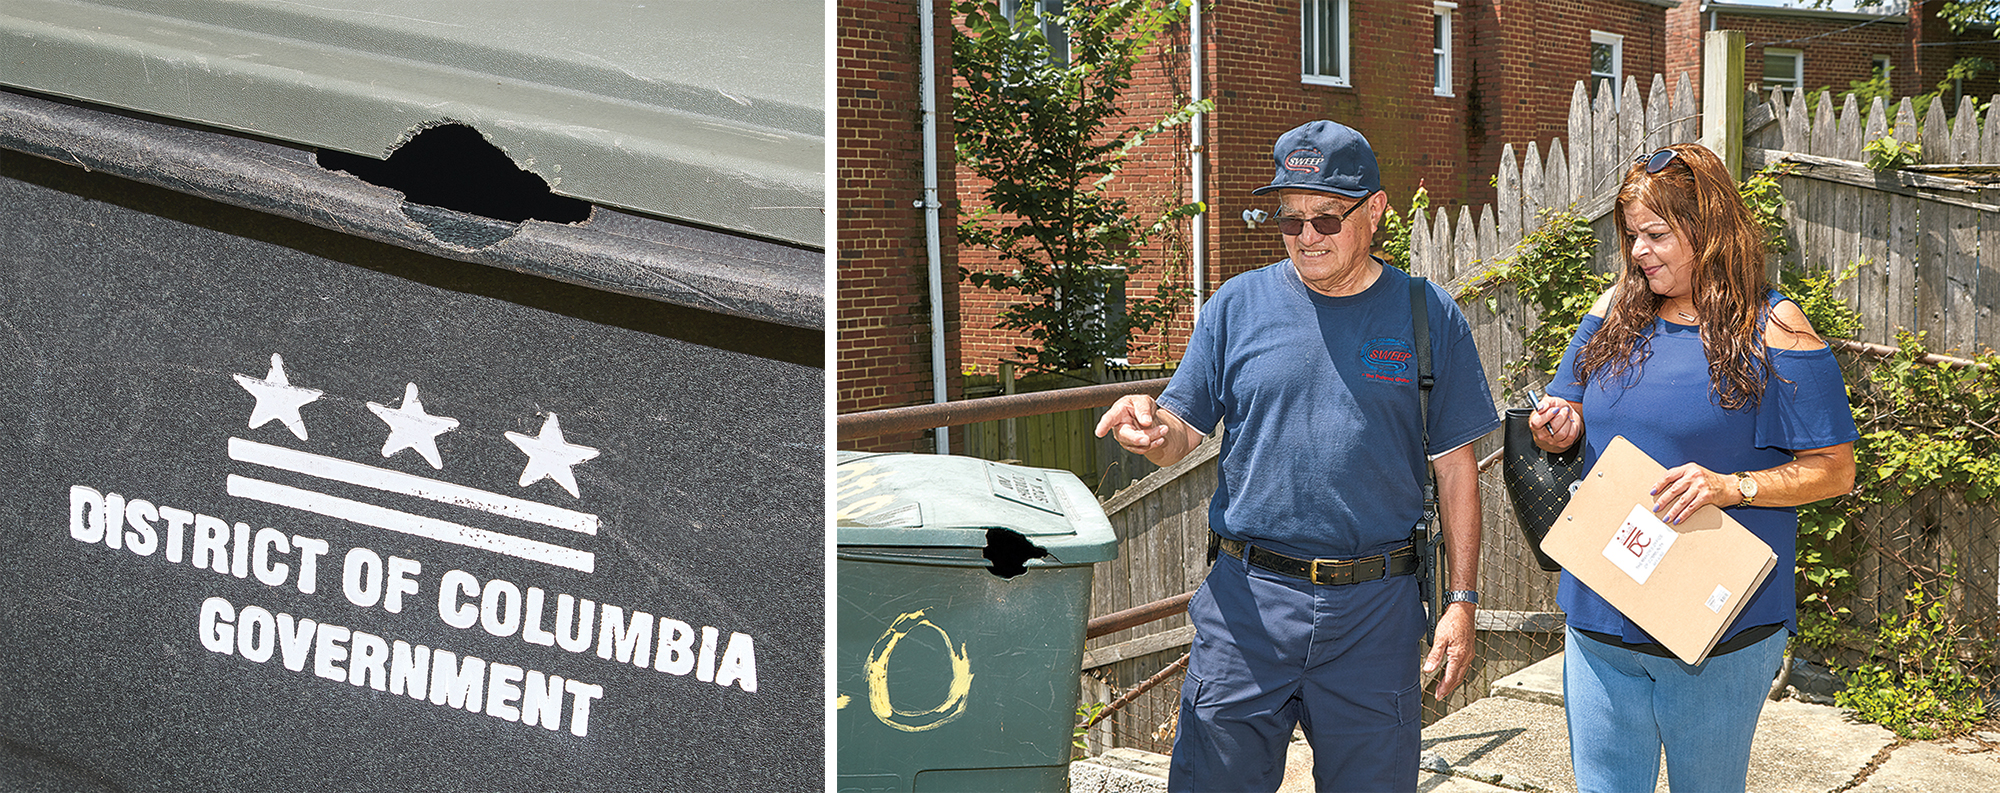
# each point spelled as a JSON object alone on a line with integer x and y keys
{"x": 1461, "y": 596}
{"x": 1748, "y": 487}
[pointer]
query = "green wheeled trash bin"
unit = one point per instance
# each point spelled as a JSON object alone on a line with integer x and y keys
{"x": 386, "y": 396}
{"x": 964, "y": 586}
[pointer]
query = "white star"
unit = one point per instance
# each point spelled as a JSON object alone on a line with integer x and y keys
{"x": 411, "y": 428}
{"x": 277, "y": 399}
{"x": 550, "y": 456}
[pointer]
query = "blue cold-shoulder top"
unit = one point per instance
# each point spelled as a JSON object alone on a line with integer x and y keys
{"x": 1666, "y": 407}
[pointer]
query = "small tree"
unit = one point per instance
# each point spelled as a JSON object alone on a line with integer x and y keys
{"x": 1038, "y": 128}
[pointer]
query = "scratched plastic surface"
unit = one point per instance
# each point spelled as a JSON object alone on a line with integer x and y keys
{"x": 932, "y": 501}
{"x": 600, "y": 99}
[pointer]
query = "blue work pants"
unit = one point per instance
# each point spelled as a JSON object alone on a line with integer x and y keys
{"x": 1271, "y": 652}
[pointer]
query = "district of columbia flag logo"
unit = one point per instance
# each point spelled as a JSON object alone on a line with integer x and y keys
{"x": 484, "y": 520}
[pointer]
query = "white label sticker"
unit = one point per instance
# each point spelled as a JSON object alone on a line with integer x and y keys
{"x": 1640, "y": 543}
{"x": 1717, "y": 599}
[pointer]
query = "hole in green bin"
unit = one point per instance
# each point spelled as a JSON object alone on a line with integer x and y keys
{"x": 1009, "y": 552}
{"x": 453, "y": 166}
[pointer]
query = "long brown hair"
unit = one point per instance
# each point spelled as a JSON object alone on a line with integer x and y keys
{"x": 1696, "y": 197}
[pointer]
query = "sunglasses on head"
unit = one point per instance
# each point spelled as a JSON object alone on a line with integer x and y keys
{"x": 1326, "y": 225}
{"x": 1657, "y": 161}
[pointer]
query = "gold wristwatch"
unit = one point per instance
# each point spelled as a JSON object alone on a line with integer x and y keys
{"x": 1747, "y": 487}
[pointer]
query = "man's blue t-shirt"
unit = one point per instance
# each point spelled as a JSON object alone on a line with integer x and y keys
{"x": 1317, "y": 397}
{"x": 1668, "y": 409}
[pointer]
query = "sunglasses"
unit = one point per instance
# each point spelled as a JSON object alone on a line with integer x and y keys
{"x": 1657, "y": 161}
{"x": 1326, "y": 225}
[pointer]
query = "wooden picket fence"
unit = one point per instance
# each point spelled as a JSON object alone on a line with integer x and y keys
{"x": 1603, "y": 139}
{"x": 1924, "y": 245}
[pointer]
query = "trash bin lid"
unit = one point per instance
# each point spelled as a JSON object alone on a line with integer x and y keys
{"x": 945, "y": 501}
{"x": 710, "y": 113}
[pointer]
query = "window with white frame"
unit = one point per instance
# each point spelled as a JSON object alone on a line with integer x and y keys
{"x": 1323, "y": 40}
{"x": 1880, "y": 65}
{"x": 1784, "y": 69}
{"x": 1607, "y": 63}
{"x": 1441, "y": 48}
{"x": 1056, "y": 35}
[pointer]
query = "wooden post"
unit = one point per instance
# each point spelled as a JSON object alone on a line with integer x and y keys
{"x": 1722, "y": 97}
{"x": 1008, "y": 451}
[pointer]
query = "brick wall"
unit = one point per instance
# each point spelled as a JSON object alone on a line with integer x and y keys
{"x": 1838, "y": 49}
{"x": 1835, "y": 52}
{"x": 883, "y": 335}
{"x": 1941, "y": 48}
{"x": 1539, "y": 49}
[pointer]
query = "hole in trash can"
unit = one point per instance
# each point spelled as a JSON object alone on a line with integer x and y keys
{"x": 1009, "y": 552}
{"x": 454, "y": 167}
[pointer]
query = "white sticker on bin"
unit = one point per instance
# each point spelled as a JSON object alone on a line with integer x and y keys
{"x": 1640, "y": 543}
{"x": 1717, "y": 599}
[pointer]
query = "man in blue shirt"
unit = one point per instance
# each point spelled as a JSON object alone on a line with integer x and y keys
{"x": 1311, "y": 617}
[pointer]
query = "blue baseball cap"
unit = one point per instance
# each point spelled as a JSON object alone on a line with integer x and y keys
{"x": 1324, "y": 156}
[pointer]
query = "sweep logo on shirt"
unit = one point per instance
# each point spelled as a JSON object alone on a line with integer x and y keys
{"x": 1386, "y": 358}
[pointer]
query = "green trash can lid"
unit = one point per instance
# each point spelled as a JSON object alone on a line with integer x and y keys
{"x": 709, "y": 113}
{"x": 945, "y": 501}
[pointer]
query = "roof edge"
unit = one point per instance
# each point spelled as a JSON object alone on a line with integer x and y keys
{"x": 1899, "y": 17}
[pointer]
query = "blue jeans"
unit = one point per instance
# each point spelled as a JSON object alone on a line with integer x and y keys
{"x": 1271, "y": 652}
{"x": 1624, "y": 706}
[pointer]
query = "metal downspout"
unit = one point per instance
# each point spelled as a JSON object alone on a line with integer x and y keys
{"x": 932, "y": 246}
{"x": 1198, "y": 131}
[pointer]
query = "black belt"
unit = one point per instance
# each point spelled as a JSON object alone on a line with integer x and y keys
{"x": 1402, "y": 561}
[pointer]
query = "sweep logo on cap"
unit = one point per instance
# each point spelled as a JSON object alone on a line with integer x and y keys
{"x": 1306, "y": 160}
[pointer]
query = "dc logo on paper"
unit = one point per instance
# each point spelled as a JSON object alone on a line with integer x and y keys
{"x": 1387, "y": 359}
{"x": 411, "y": 428}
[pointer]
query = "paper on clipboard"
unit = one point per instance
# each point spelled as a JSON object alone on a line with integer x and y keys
{"x": 1683, "y": 584}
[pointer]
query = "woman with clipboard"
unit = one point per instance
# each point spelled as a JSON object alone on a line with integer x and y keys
{"x": 1698, "y": 361}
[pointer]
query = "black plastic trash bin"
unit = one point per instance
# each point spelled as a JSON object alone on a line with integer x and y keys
{"x": 387, "y": 389}
{"x": 963, "y": 590}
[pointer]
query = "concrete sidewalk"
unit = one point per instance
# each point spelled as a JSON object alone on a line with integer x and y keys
{"x": 1516, "y": 740}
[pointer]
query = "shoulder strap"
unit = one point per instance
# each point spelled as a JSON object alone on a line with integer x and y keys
{"x": 1425, "y": 538}
{"x": 1421, "y": 324}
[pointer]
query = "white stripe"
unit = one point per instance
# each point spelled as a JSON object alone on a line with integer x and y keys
{"x": 410, "y": 485}
{"x": 406, "y": 523}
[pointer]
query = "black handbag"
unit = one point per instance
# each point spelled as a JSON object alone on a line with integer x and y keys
{"x": 1538, "y": 482}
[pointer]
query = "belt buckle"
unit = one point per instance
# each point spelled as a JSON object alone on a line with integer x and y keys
{"x": 1339, "y": 571}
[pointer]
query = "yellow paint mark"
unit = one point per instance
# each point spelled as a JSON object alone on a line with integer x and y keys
{"x": 866, "y": 506}
{"x": 877, "y": 672}
{"x": 854, "y": 486}
{"x": 846, "y": 472}
{"x": 840, "y": 702}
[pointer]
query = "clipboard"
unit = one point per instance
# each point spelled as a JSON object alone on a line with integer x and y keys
{"x": 1683, "y": 584}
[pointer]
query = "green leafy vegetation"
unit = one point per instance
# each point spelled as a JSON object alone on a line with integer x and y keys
{"x": 1921, "y": 684}
{"x": 1925, "y": 426}
{"x": 1085, "y": 714}
{"x": 1814, "y": 292}
{"x": 1886, "y": 153}
{"x": 1767, "y": 202}
{"x": 1043, "y": 130}
{"x": 1551, "y": 271}
{"x": 1396, "y": 229}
